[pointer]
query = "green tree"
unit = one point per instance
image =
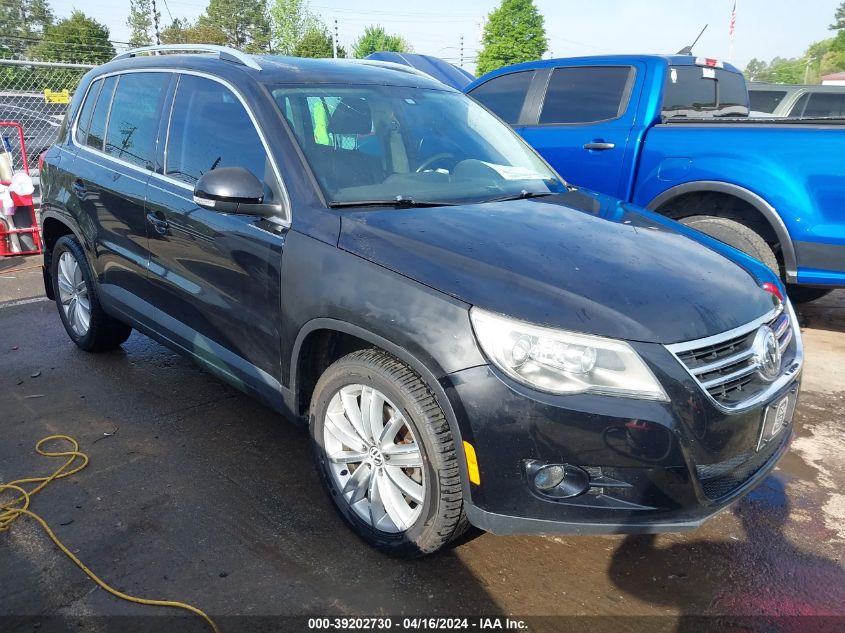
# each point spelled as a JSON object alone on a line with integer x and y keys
{"x": 245, "y": 23}
{"x": 317, "y": 43}
{"x": 375, "y": 39}
{"x": 181, "y": 31}
{"x": 839, "y": 19}
{"x": 513, "y": 33}
{"x": 75, "y": 39}
{"x": 140, "y": 22}
{"x": 22, "y": 23}
{"x": 292, "y": 20}
{"x": 757, "y": 70}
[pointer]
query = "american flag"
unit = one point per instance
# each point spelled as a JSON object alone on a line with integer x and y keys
{"x": 732, "y": 27}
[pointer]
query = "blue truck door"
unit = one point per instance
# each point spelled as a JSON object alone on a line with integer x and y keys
{"x": 582, "y": 125}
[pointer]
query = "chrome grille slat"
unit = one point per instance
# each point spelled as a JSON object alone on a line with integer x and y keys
{"x": 722, "y": 380}
{"x": 722, "y": 363}
{"x": 726, "y": 367}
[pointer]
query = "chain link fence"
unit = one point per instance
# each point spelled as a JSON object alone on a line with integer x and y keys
{"x": 36, "y": 95}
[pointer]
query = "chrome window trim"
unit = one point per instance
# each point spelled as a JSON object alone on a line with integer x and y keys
{"x": 286, "y": 205}
{"x": 788, "y": 373}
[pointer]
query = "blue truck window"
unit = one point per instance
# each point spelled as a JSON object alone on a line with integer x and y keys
{"x": 695, "y": 91}
{"x": 586, "y": 94}
{"x": 505, "y": 94}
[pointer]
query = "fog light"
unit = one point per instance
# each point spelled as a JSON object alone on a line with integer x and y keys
{"x": 549, "y": 477}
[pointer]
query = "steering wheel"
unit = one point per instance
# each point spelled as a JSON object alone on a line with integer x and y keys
{"x": 432, "y": 160}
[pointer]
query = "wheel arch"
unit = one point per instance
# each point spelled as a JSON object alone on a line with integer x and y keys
{"x": 54, "y": 227}
{"x": 304, "y": 374}
{"x": 767, "y": 212}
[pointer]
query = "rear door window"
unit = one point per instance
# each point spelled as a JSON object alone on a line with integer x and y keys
{"x": 87, "y": 109}
{"x": 825, "y": 104}
{"x": 97, "y": 126}
{"x": 504, "y": 95}
{"x": 702, "y": 91}
{"x": 134, "y": 118}
{"x": 587, "y": 94}
{"x": 210, "y": 128}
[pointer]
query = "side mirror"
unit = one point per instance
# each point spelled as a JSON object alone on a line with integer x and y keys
{"x": 232, "y": 190}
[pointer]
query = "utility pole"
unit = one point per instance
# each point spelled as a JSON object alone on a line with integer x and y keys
{"x": 462, "y": 51}
{"x": 155, "y": 23}
{"x": 334, "y": 40}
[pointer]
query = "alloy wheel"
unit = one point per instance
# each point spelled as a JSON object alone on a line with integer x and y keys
{"x": 374, "y": 458}
{"x": 73, "y": 294}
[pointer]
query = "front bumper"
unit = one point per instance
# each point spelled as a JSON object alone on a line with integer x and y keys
{"x": 653, "y": 466}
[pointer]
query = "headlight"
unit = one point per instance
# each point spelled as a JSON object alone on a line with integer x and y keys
{"x": 557, "y": 361}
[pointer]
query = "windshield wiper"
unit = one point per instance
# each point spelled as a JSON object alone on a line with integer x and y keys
{"x": 522, "y": 195}
{"x": 398, "y": 202}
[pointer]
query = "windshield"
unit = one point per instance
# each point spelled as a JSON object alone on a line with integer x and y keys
{"x": 387, "y": 143}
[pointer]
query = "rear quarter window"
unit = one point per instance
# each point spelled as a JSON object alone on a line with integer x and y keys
{"x": 696, "y": 91}
{"x": 87, "y": 108}
{"x": 505, "y": 95}
{"x": 97, "y": 126}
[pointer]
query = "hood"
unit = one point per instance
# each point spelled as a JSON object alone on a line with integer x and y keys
{"x": 579, "y": 261}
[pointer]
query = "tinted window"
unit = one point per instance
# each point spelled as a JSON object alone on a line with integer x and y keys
{"x": 825, "y": 104}
{"x": 505, "y": 95}
{"x": 97, "y": 127}
{"x": 585, "y": 95}
{"x": 87, "y": 108}
{"x": 798, "y": 108}
{"x": 702, "y": 91}
{"x": 210, "y": 128}
{"x": 765, "y": 100}
{"x": 133, "y": 122}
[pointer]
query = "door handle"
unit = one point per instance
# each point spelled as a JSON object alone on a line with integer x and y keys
{"x": 599, "y": 146}
{"x": 160, "y": 225}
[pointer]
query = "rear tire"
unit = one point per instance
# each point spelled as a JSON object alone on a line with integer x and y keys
{"x": 407, "y": 510}
{"x": 78, "y": 302}
{"x": 734, "y": 234}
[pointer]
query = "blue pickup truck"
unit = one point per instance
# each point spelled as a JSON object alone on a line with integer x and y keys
{"x": 672, "y": 134}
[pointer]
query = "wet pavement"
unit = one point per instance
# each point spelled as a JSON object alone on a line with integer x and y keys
{"x": 200, "y": 494}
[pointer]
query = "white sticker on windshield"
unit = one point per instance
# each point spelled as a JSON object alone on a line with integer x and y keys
{"x": 674, "y": 76}
{"x": 511, "y": 172}
{"x": 708, "y": 73}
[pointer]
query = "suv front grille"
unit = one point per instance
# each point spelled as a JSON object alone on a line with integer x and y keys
{"x": 727, "y": 368}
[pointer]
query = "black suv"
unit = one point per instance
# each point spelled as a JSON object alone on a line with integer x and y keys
{"x": 471, "y": 339}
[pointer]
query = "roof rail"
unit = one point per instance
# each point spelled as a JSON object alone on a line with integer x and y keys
{"x": 223, "y": 52}
{"x": 391, "y": 65}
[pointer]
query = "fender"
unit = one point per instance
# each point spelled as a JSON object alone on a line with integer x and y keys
{"x": 48, "y": 213}
{"x": 759, "y": 203}
{"x": 402, "y": 354}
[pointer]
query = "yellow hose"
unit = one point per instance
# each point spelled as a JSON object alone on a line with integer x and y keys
{"x": 10, "y": 511}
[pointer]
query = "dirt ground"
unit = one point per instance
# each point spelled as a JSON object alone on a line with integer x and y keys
{"x": 195, "y": 492}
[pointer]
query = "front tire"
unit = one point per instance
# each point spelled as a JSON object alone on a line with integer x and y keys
{"x": 386, "y": 455}
{"x": 78, "y": 302}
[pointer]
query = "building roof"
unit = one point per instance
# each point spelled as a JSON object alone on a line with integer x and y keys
{"x": 834, "y": 76}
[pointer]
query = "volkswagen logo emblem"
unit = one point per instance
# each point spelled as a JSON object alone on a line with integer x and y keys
{"x": 767, "y": 353}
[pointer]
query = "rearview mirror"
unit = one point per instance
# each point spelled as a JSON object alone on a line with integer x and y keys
{"x": 232, "y": 190}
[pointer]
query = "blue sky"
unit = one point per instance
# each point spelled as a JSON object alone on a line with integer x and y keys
{"x": 765, "y": 28}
